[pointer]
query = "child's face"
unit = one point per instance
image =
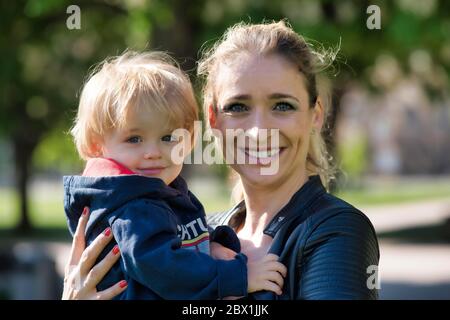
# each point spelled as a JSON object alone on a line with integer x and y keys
{"x": 144, "y": 145}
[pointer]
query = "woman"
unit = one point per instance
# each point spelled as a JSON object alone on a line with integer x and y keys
{"x": 264, "y": 77}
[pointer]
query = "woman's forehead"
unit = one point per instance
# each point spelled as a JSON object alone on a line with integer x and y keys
{"x": 259, "y": 74}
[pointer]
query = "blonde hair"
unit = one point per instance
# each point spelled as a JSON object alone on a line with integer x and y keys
{"x": 130, "y": 82}
{"x": 272, "y": 38}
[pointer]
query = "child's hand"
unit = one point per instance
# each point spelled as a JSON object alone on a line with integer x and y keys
{"x": 266, "y": 274}
{"x": 218, "y": 251}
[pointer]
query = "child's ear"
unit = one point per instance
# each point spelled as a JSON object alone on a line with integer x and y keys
{"x": 96, "y": 148}
{"x": 212, "y": 116}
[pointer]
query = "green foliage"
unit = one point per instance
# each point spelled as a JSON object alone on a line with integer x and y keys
{"x": 57, "y": 152}
{"x": 396, "y": 193}
{"x": 353, "y": 156}
{"x": 44, "y": 63}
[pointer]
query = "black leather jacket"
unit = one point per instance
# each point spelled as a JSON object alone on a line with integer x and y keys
{"x": 326, "y": 244}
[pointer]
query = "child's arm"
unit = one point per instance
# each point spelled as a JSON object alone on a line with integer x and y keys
{"x": 152, "y": 255}
{"x": 225, "y": 236}
{"x": 150, "y": 248}
{"x": 219, "y": 251}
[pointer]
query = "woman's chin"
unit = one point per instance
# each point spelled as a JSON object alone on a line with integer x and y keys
{"x": 257, "y": 175}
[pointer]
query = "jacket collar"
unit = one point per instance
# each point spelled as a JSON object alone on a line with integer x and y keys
{"x": 299, "y": 202}
{"x": 107, "y": 185}
{"x": 101, "y": 167}
{"x": 104, "y": 167}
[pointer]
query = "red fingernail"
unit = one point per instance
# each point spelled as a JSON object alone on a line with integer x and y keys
{"x": 107, "y": 232}
{"x": 123, "y": 284}
{"x": 116, "y": 249}
{"x": 85, "y": 211}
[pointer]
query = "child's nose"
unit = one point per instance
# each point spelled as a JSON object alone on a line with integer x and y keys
{"x": 152, "y": 152}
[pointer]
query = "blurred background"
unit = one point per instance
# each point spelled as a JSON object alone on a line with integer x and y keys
{"x": 389, "y": 120}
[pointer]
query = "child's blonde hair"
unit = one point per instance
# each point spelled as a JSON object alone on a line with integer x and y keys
{"x": 132, "y": 81}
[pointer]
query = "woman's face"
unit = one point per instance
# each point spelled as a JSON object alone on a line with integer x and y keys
{"x": 266, "y": 92}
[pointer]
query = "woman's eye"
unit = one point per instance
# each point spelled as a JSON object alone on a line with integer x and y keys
{"x": 235, "y": 107}
{"x": 283, "y": 106}
{"x": 170, "y": 138}
{"x": 134, "y": 139}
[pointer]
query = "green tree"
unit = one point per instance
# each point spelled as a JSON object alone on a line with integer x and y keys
{"x": 44, "y": 63}
{"x": 42, "y": 66}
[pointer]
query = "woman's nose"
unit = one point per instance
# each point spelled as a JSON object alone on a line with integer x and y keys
{"x": 259, "y": 119}
{"x": 260, "y": 128}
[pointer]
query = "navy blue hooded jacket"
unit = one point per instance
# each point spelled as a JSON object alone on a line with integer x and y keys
{"x": 162, "y": 235}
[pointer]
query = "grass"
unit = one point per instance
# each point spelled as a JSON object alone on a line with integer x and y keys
{"x": 47, "y": 212}
{"x": 396, "y": 193}
{"x": 44, "y": 211}
{"x": 46, "y": 203}
{"x": 8, "y": 209}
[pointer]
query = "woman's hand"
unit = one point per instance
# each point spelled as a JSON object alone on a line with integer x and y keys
{"x": 81, "y": 278}
{"x": 218, "y": 251}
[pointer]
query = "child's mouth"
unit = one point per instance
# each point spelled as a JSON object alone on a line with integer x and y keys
{"x": 150, "y": 171}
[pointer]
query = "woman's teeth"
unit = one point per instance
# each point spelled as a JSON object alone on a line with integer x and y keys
{"x": 263, "y": 153}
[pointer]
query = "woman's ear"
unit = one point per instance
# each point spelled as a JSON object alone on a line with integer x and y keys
{"x": 212, "y": 116}
{"x": 318, "y": 115}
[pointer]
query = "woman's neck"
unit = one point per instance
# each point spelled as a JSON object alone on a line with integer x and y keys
{"x": 262, "y": 204}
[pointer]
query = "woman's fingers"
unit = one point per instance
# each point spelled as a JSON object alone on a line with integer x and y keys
{"x": 113, "y": 291}
{"x": 98, "y": 272}
{"x": 91, "y": 253}
{"x": 79, "y": 242}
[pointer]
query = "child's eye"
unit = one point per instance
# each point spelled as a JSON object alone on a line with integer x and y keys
{"x": 235, "y": 108}
{"x": 284, "y": 106}
{"x": 134, "y": 139}
{"x": 170, "y": 138}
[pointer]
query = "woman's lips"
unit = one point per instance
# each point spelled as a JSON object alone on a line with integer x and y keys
{"x": 262, "y": 157}
{"x": 151, "y": 171}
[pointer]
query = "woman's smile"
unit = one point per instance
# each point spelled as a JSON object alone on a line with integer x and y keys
{"x": 261, "y": 156}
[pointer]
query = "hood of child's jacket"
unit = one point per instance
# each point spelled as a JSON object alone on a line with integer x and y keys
{"x": 106, "y": 194}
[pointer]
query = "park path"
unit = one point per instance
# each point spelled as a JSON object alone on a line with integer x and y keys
{"x": 412, "y": 270}
{"x": 387, "y": 218}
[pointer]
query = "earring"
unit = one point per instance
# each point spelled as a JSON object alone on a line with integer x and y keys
{"x": 313, "y": 131}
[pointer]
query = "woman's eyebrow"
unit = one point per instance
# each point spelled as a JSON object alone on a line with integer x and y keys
{"x": 240, "y": 97}
{"x": 281, "y": 96}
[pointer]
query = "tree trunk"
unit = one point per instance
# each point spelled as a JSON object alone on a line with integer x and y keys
{"x": 22, "y": 158}
{"x": 178, "y": 41}
{"x": 330, "y": 133}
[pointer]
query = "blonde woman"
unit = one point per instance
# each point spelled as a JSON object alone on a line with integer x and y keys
{"x": 258, "y": 77}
